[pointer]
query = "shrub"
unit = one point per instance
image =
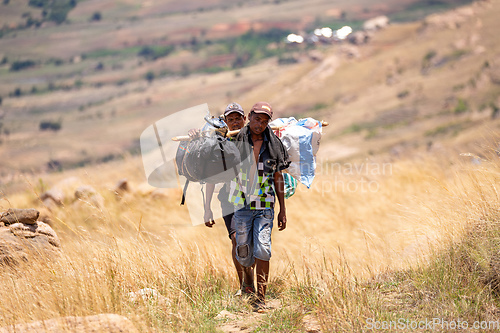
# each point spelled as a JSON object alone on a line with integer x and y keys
{"x": 426, "y": 61}
{"x": 16, "y": 93}
{"x": 462, "y": 106}
{"x": 39, "y": 3}
{"x": 150, "y": 76}
{"x": 495, "y": 110}
{"x": 21, "y": 64}
{"x": 285, "y": 60}
{"x": 403, "y": 94}
{"x": 99, "y": 66}
{"x": 50, "y": 125}
{"x": 155, "y": 52}
{"x": 58, "y": 14}
{"x": 96, "y": 16}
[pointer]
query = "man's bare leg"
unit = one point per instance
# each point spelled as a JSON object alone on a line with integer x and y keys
{"x": 237, "y": 265}
{"x": 262, "y": 270}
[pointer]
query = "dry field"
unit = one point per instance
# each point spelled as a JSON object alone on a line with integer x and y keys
{"x": 401, "y": 221}
{"x": 103, "y": 101}
{"x": 364, "y": 240}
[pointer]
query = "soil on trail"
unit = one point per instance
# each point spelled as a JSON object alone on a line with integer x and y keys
{"x": 247, "y": 321}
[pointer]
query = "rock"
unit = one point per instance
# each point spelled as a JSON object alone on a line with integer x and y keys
{"x": 89, "y": 195}
{"x": 14, "y": 215}
{"x": 122, "y": 186}
{"x": 148, "y": 294}
{"x": 42, "y": 231}
{"x": 45, "y": 215}
{"x": 84, "y": 191}
{"x": 110, "y": 323}
{"x": 224, "y": 314}
{"x": 52, "y": 196}
{"x": 20, "y": 241}
{"x": 61, "y": 192}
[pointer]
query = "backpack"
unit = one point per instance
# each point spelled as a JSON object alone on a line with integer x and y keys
{"x": 211, "y": 159}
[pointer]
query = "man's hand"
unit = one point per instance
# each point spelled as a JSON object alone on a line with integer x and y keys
{"x": 194, "y": 133}
{"x": 209, "y": 218}
{"x": 282, "y": 220}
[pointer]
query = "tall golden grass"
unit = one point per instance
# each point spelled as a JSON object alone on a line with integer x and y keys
{"x": 423, "y": 245}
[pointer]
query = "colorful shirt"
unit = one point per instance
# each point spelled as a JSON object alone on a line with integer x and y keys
{"x": 258, "y": 194}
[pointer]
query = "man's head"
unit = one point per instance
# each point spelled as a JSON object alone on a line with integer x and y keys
{"x": 234, "y": 116}
{"x": 260, "y": 115}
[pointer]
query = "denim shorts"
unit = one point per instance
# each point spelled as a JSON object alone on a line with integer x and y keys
{"x": 253, "y": 235}
{"x": 228, "y": 220}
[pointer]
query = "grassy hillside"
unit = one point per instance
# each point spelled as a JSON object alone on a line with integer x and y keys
{"x": 419, "y": 245}
{"x": 398, "y": 228}
{"x": 89, "y": 76}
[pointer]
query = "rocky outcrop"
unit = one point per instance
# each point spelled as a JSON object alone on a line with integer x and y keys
{"x": 25, "y": 216}
{"x": 109, "y": 323}
{"x": 88, "y": 195}
{"x": 451, "y": 19}
{"x": 22, "y": 236}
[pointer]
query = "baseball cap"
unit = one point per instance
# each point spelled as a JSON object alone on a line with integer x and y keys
{"x": 234, "y": 107}
{"x": 262, "y": 107}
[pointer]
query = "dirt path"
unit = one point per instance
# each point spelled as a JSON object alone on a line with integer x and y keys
{"x": 247, "y": 321}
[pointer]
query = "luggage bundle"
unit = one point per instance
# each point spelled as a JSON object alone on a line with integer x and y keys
{"x": 208, "y": 158}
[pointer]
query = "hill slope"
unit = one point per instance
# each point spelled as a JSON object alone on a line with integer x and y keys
{"x": 398, "y": 225}
{"x": 88, "y": 79}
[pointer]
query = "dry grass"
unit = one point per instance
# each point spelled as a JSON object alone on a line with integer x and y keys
{"x": 414, "y": 248}
{"x": 420, "y": 243}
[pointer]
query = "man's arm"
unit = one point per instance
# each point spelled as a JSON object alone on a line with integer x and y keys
{"x": 209, "y": 216}
{"x": 279, "y": 185}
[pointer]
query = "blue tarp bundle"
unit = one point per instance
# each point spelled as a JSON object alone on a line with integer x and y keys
{"x": 301, "y": 139}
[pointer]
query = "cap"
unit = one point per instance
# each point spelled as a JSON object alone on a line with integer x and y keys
{"x": 234, "y": 107}
{"x": 262, "y": 107}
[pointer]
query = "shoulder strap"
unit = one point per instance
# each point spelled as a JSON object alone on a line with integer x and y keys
{"x": 183, "y": 200}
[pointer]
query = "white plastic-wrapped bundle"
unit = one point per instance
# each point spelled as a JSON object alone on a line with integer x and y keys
{"x": 301, "y": 139}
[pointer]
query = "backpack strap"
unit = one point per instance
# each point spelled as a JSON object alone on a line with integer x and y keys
{"x": 183, "y": 200}
{"x": 223, "y": 158}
